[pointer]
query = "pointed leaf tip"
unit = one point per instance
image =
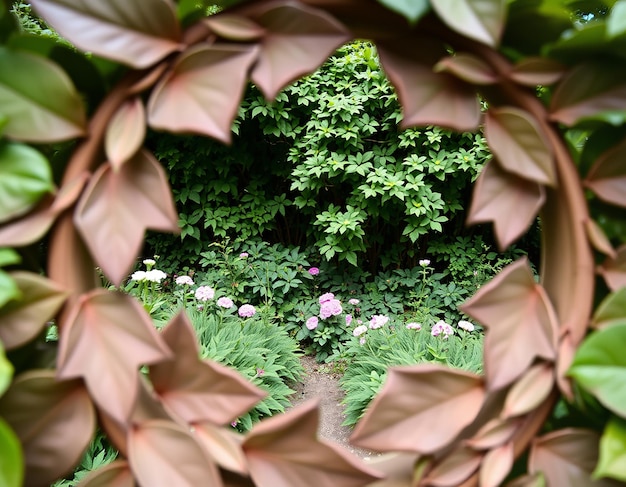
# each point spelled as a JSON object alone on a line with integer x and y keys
{"x": 125, "y": 132}
{"x": 481, "y": 20}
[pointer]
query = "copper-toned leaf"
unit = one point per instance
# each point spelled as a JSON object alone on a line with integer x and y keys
{"x": 589, "y": 91}
{"x": 234, "y": 27}
{"x": 482, "y": 20}
{"x": 455, "y": 468}
{"x": 613, "y": 270}
{"x": 222, "y": 445}
{"x": 494, "y": 433}
{"x": 117, "y": 208}
{"x": 53, "y": 420}
{"x": 468, "y": 68}
{"x": 607, "y": 177}
{"x": 196, "y": 390}
{"x": 428, "y": 98}
{"x": 535, "y": 71}
{"x": 107, "y": 338}
{"x": 298, "y": 39}
{"x": 37, "y": 111}
{"x": 162, "y": 453}
{"x": 23, "y": 319}
{"x": 137, "y": 33}
{"x": 398, "y": 469}
{"x": 518, "y": 143}
{"x": 115, "y": 474}
{"x": 420, "y": 409}
{"x": 201, "y": 93}
{"x": 534, "y": 480}
{"x": 521, "y": 323}
{"x": 284, "y": 451}
{"x": 125, "y": 132}
{"x": 567, "y": 457}
{"x": 565, "y": 357}
{"x": 598, "y": 239}
{"x": 496, "y": 466}
{"x": 530, "y": 391}
{"x": 510, "y": 202}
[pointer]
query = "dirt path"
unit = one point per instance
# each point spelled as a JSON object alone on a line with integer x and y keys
{"x": 319, "y": 383}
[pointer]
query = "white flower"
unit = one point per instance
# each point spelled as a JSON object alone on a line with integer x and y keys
{"x": 424, "y": 262}
{"x": 413, "y": 326}
{"x": 138, "y": 276}
{"x": 359, "y": 330}
{"x": 155, "y": 275}
{"x": 466, "y": 325}
{"x": 149, "y": 261}
{"x": 184, "y": 281}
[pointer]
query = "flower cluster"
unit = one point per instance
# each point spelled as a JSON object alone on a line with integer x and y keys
{"x": 153, "y": 275}
{"x": 247, "y": 311}
{"x": 184, "y": 281}
{"x": 413, "y": 326}
{"x": 204, "y": 293}
{"x": 466, "y": 325}
{"x": 442, "y": 328}
{"x": 378, "y": 321}
{"x": 329, "y": 306}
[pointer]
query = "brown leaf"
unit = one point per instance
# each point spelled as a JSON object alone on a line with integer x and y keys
{"x": 22, "y": 320}
{"x": 493, "y": 434}
{"x": 420, "y": 409}
{"x": 455, "y": 468}
{"x": 588, "y": 89}
{"x": 518, "y": 143}
{"x": 162, "y": 453}
{"x": 598, "y": 239}
{"x": 607, "y": 177}
{"x": 115, "y": 474}
{"x": 535, "y": 71}
{"x": 234, "y": 27}
{"x": 512, "y": 203}
{"x": 613, "y": 270}
{"x": 535, "y": 480}
{"x": 134, "y": 33}
{"x": 284, "y": 451}
{"x": 117, "y": 208}
{"x": 481, "y": 20}
{"x": 567, "y": 457}
{"x": 297, "y": 40}
{"x": 496, "y": 466}
{"x": 529, "y": 391}
{"x": 53, "y": 420}
{"x": 201, "y": 93}
{"x": 89, "y": 347}
{"x": 125, "y": 132}
{"x": 428, "y": 98}
{"x": 520, "y": 320}
{"x": 398, "y": 469}
{"x": 223, "y": 446}
{"x": 196, "y": 390}
{"x": 468, "y": 68}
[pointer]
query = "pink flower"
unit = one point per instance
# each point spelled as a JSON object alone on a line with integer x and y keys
{"x": 359, "y": 330}
{"x": 362, "y": 341}
{"x": 244, "y": 255}
{"x": 225, "y": 302}
{"x": 348, "y": 319}
{"x": 413, "y": 326}
{"x": 314, "y": 271}
{"x": 330, "y": 308}
{"x": 326, "y": 297}
{"x": 378, "y": 321}
{"x": 312, "y": 322}
{"x": 246, "y": 311}
{"x": 204, "y": 293}
{"x": 354, "y": 301}
{"x": 442, "y": 327}
{"x": 184, "y": 281}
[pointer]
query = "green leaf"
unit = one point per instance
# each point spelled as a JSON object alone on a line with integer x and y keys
{"x": 8, "y": 289}
{"x": 12, "y": 461}
{"x": 600, "y": 367}
{"x": 25, "y": 176}
{"x": 481, "y": 20}
{"x": 612, "y": 461}
{"x": 413, "y": 10}
{"x": 6, "y": 374}
{"x": 616, "y": 22}
{"x": 612, "y": 310}
{"x": 8, "y": 257}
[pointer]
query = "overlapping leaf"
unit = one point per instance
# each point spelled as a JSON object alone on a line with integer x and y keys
{"x": 201, "y": 93}
{"x": 12, "y": 464}
{"x": 607, "y": 177}
{"x": 516, "y": 140}
{"x": 36, "y": 111}
{"x": 134, "y": 33}
{"x": 455, "y": 468}
{"x": 598, "y": 239}
{"x": 53, "y": 420}
{"x": 162, "y": 453}
{"x": 535, "y": 71}
{"x": 222, "y": 445}
{"x": 115, "y": 474}
{"x": 235, "y": 27}
{"x": 510, "y": 202}
{"x": 284, "y": 451}
{"x": 613, "y": 269}
{"x": 119, "y": 206}
{"x": 494, "y": 433}
{"x": 420, "y": 409}
{"x": 612, "y": 461}
{"x": 468, "y": 68}
{"x": 521, "y": 323}
{"x": 6, "y": 370}
{"x": 197, "y": 390}
{"x": 89, "y": 347}
{"x": 611, "y": 311}
{"x": 428, "y": 97}
{"x": 413, "y": 10}
{"x": 482, "y": 20}
{"x": 297, "y": 40}
{"x": 23, "y": 319}
{"x": 530, "y": 391}
{"x": 125, "y": 132}
{"x": 496, "y": 465}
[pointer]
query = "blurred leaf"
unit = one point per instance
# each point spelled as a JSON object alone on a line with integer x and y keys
{"x": 600, "y": 367}
{"x": 611, "y": 311}
{"x": 455, "y": 468}
{"x": 12, "y": 463}
{"x": 136, "y": 33}
{"x": 8, "y": 22}
{"x": 25, "y": 176}
{"x": 8, "y": 289}
{"x": 115, "y": 474}
{"x": 494, "y": 433}
{"x": 616, "y": 20}
{"x": 9, "y": 257}
{"x": 598, "y": 239}
{"x": 103, "y": 218}
{"x": 6, "y": 371}
{"x": 481, "y": 20}
{"x": 53, "y": 420}
{"x": 201, "y": 93}
{"x": 607, "y": 177}
{"x": 537, "y": 71}
{"x": 520, "y": 320}
{"x": 38, "y": 112}
{"x": 420, "y": 409}
{"x": 529, "y": 391}
{"x": 23, "y": 319}
{"x": 413, "y": 10}
{"x": 125, "y": 132}
{"x": 468, "y": 68}
{"x": 222, "y": 445}
{"x": 612, "y": 461}
{"x": 613, "y": 269}
{"x": 496, "y": 465}
{"x": 235, "y": 27}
